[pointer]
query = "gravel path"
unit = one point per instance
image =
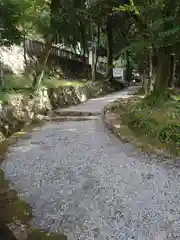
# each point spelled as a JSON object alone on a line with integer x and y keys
{"x": 80, "y": 179}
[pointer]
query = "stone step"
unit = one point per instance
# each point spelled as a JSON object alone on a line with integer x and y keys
{"x": 75, "y": 113}
{"x": 70, "y": 118}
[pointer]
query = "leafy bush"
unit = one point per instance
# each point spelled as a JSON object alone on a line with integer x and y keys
{"x": 155, "y": 100}
{"x": 144, "y": 123}
{"x": 156, "y": 117}
{"x": 170, "y": 133}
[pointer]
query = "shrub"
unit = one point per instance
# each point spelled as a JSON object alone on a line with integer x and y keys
{"x": 142, "y": 123}
{"x": 170, "y": 133}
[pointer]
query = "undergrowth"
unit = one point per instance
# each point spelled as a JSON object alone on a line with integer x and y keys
{"x": 156, "y": 117}
{"x": 13, "y": 209}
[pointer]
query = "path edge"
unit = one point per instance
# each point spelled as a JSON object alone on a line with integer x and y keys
{"x": 114, "y": 129}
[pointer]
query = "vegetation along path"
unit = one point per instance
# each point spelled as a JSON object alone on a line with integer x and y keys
{"x": 80, "y": 179}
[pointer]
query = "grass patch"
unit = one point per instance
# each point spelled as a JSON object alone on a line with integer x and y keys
{"x": 54, "y": 83}
{"x": 4, "y": 97}
{"x": 156, "y": 119}
{"x": 140, "y": 92}
{"x": 22, "y": 84}
{"x": 7, "y": 94}
{"x": 41, "y": 235}
{"x": 25, "y": 82}
{"x": 17, "y": 82}
{"x": 11, "y": 207}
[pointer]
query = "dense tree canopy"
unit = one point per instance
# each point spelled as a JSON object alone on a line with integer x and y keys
{"x": 146, "y": 37}
{"x": 9, "y": 17}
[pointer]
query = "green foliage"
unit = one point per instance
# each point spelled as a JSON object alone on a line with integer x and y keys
{"x": 14, "y": 209}
{"x": 34, "y": 17}
{"x": 19, "y": 210}
{"x": 158, "y": 12}
{"x": 41, "y": 235}
{"x": 145, "y": 123}
{"x": 156, "y": 99}
{"x": 170, "y": 133}
{"x": 69, "y": 21}
{"x": 9, "y": 16}
{"x": 156, "y": 117}
{"x": 1, "y": 178}
{"x": 127, "y": 8}
{"x": 134, "y": 26}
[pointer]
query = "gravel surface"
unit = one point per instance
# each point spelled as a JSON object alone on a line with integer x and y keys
{"x": 80, "y": 179}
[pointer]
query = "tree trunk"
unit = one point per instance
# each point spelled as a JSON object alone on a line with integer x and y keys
{"x": 129, "y": 68}
{"x": 40, "y": 69}
{"x": 150, "y": 69}
{"x": 83, "y": 39}
{"x": 172, "y": 70}
{"x": 24, "y": 49}
{"x": 42, "y": 62}
{"x": 163, "y": 70}
{"x": 141, "y": 70}
{"x": 145, "y": 83}
{"x": 97, "y": 46}
{"x": 146, "y": 72}
{"x": 2, "y": 82}
{"x": 93, "y": 66}
{"x": 109, "y": 73}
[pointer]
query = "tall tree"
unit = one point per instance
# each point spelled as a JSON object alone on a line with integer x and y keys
{"x": 9, "y": 16}
{"x": 9, "y": 33}
{"x": 157, "y": 29}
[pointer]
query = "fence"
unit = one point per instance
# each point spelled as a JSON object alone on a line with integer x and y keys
{"x": 34, "y": 47}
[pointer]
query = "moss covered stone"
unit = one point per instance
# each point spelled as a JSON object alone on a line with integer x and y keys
{"x": 41, "y": 235}
{"x": 1, "y": 178}
{"x": 18, "y": 210}
{"x": 13, "y": 210}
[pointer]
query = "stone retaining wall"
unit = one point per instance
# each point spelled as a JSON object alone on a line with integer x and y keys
{"x": 23, "y": 108}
